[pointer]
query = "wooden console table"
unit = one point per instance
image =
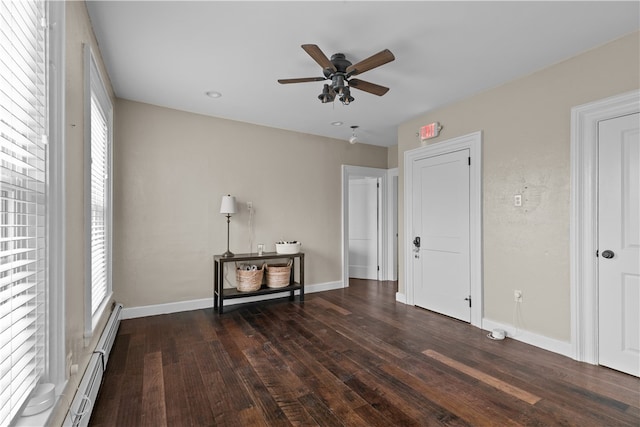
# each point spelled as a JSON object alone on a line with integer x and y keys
{"x": 220, "y": 293}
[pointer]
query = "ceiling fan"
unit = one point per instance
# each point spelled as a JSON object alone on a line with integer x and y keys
{"x": 340, "y": 70}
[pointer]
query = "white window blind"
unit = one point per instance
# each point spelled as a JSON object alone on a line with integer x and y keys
{"x": 99, "y": 202}
{"x": 98, "y": 192}
{"x": 23, "y": 175}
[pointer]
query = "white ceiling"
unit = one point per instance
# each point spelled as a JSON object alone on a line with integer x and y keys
{"x": 171, "y": 53}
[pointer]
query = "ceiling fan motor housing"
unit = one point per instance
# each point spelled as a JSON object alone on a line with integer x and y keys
{"x": 340, "y": 62}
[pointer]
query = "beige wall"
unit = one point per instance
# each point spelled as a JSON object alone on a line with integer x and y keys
{"x": 78, "y": 32}
{"x": 526, "y": 140}
{"x": 392, "y": 157}
{"x": 173, "y": 167}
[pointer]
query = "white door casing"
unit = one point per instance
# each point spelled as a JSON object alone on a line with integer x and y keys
{"x": 584, "y": 214}
{"x": 472, "y": 142}
{"x": 619, "y": 243}
{"x": 349, "y": 172}
{"x": 441, "y": 222}
{"x": 392, "y": 224}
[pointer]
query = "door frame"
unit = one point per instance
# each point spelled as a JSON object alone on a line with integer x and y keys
{"x": 370, "y": 186}
{"x": 392, "y": 225}
{"x": 361, "y": 172}
{"x": 472, "y": 142}
{"x": 583, "y": 237}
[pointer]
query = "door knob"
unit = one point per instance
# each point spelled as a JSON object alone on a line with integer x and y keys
{"x": 608, "y": 254}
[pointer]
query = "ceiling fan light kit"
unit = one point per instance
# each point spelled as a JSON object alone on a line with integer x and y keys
{"x": 327, "y": 95}
{"x": 340, "y": 70}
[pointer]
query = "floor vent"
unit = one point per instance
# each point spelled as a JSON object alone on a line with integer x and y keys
{"x": 82, "y": 405}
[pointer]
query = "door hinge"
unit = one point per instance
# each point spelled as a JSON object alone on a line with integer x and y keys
{"x": 468, "y": 299}
{"x": 377, "y": 184}
{"x": 378, "y": 268}
{"x": 597, "y": 253}
{"x": 469, "y": 161}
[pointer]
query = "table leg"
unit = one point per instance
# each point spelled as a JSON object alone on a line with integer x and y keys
{"x": 302, "y": 278}
{"x": 215, "y": 286}
{"x": 292, "y": 278}
{"x": 221, "y": 287}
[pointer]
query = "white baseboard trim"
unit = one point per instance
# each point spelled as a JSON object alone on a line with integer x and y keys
{"x": 541, "y": 341}
{"x": 321, "y": 287}
{"x": 167, "y": 308}
{"x": 198, "y": 304}
{"x": 546, "y": 343}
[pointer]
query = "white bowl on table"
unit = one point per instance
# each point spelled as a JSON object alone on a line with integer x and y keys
{"x": 288, "y": 248}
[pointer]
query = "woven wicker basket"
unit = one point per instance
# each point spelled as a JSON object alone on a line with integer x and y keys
{"x": 249, "y": 280}
{"x": 278, "y": 275}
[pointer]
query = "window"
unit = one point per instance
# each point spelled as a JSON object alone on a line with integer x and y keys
{"x": 98, "y": 148}
{"x": 29, "y": 202}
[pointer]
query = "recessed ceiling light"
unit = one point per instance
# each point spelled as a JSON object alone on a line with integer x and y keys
{"x": 337, "y": 123}
{"x": 213, "y": 94}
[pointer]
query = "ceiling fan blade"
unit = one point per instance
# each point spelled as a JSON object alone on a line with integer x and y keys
{"x": 318, "y": 56}
{"x": 368, "y": 87}
{"x": 301, "y": 80}
{"x": 371, "y": 62}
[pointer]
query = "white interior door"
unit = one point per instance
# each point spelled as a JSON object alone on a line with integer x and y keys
{"x": 363, "y": 228}
{"x": 619, "y": 244}
{"x": 441, "y": 221}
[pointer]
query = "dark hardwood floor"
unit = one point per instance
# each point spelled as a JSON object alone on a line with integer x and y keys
{"x": 346, "y": 357}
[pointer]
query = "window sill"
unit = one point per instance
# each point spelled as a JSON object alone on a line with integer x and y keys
{"x": 45, "y": 417}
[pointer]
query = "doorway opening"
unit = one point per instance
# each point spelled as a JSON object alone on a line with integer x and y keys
{"x": 368, "y": 201}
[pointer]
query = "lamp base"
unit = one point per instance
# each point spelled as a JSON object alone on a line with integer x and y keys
{"x": 228, "y": 254}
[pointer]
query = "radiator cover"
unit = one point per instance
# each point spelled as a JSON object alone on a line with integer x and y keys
{"x": 82, "y": 405}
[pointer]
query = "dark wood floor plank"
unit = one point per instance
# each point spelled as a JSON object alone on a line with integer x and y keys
{"x": 281, "y": 383}
{"x": 398, "y": 393}
{"x": 272, "y": 414}
{"x": 330, "y": 391}
{"x": 349, "y": 357}
{"x": 553, "y": 388}
{"x": 154, "y": 411}
{"x": 130, "y": 404}
{"x": 220, "y": 399}
{"x": 330, "y": 306}
{"x": 176, "y": 402}
{"x": 197, "y": 398}
{"x": 322, "y": 415}
{"x": 110, "y": 393}
{"x": 503, "y": 386}
{"x": 235, "y": 394}
{"x": 393, "y": 414}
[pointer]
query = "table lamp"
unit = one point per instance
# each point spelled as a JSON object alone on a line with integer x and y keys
{"x": 228, "y": 207}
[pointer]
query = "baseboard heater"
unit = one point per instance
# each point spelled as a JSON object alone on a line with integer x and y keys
{"x": 82, "y": 404}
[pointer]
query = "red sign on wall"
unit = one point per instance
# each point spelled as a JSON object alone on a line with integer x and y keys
{"x": 429, "y": 131}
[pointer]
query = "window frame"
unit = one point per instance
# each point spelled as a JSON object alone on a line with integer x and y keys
{"x": 54, "y": 371}
{"x": 56, "y": 203}
{"x": 94, "y": 86}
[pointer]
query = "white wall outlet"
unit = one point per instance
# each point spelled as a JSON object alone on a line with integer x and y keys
{"x": 250, "y": 206}
{"x": 517, "y": 296}
{"x": 517, "y": 200}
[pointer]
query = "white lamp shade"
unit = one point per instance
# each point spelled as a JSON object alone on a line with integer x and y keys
{"x": 228, "y": 205}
